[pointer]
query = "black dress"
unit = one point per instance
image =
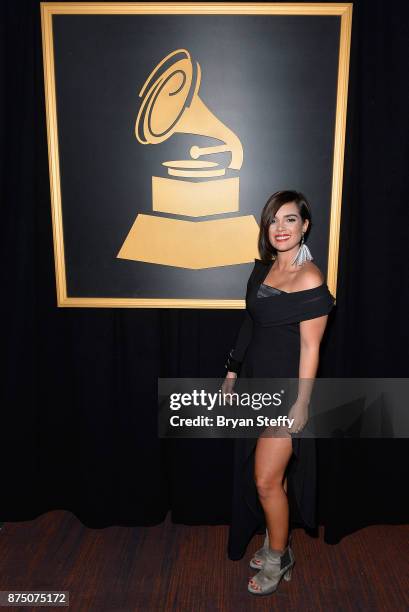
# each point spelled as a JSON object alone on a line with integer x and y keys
{"x": 268, "y": 346}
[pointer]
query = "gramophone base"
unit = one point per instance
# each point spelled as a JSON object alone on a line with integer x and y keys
{"x": 195, "y": 199}
{"x": 190, "y": 244}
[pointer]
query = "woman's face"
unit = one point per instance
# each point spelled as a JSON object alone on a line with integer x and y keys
{"x": 286, "y": 228}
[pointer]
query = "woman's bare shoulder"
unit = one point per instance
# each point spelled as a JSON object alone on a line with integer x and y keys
{"x": 310, "y": 276}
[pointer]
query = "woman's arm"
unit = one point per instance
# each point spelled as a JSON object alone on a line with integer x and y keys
{"x": 236, "y": 355}
{"x": 311, "y": 333}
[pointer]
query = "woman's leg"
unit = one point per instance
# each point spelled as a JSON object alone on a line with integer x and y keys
{"x": 271, "y": 458}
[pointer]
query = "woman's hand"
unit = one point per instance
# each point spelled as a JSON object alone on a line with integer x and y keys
{"x": 299, "y": 412}
{"x": 228, "y": 385}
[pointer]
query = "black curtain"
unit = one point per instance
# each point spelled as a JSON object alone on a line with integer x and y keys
{"x": 79, "y": 390}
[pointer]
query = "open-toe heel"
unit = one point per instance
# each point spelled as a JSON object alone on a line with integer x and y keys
{"x": 276, "y": 566}
{"x": 257, "y": 560}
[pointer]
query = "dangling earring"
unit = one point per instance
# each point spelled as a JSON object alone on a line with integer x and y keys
{"x": 303, "y": 255}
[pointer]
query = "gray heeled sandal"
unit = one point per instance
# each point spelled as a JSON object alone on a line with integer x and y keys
{"x": 257, "y": 560}
{"x": 276, "y": 566}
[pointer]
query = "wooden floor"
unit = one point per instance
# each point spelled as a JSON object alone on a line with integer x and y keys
{"x": 182, "y": 568}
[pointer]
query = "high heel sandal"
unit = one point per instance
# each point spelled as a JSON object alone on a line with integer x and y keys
{"x": 276, "y": 566}
{"x": 257, "y": 561}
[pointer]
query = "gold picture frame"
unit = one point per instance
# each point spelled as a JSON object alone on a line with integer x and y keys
{"x": 48, "y": 10}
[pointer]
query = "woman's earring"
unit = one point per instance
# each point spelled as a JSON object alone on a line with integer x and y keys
{"x": 303, "y": 255}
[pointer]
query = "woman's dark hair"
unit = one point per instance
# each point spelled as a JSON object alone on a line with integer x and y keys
{"x": 274, "y": 202}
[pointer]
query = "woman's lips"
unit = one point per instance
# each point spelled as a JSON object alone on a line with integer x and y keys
{"x": 282, "y": 237}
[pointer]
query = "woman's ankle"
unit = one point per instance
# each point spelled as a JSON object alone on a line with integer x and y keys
{"x": 278, "y": 551}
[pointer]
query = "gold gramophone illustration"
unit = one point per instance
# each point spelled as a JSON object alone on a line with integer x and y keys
{"x": 171, "y": 104}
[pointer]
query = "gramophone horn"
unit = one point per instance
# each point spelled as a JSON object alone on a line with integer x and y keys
{"x": 171, "y": 104}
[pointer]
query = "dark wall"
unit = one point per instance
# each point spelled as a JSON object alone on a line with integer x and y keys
{"x": 78, "y": 427}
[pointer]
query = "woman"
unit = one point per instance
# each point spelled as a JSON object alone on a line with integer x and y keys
{"x": 287, "y": 306}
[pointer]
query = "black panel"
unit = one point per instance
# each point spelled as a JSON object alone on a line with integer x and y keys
{"x": 271, "y": 79}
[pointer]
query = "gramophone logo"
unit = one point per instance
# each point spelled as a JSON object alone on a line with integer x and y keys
{"x": 171, "y": 104}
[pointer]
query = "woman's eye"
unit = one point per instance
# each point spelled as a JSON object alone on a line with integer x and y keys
{"x": 292, "y": 219}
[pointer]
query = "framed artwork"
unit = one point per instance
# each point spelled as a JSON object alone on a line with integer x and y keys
{"x": 170, "y": 125}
